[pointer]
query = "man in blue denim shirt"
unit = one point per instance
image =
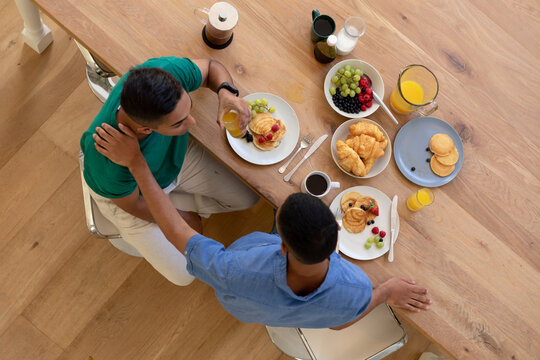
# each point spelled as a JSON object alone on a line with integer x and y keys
{"x": 294, "y": 281}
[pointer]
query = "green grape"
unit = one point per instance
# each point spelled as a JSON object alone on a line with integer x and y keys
{"x": 258, "y": 102}
{"x": 352, "y": 94}
{"x": 250, "y": 107}
{"x": 332, "y": 91}
{"x": 344, "y": 87}
{"x": 250, "y": 103}
{"x": 367, "y": 245}
{"x": 357, "y": 90}
{"x": 335, "y": 79}
{"x": 370, "y": 239}
{"x": 348, "y": 68}
{"x": 379, "y": 244}
{"x": 353, "y": 86}
{"x": 253, "y": 113}
{"x": 341, "y": 71}
{"x": 347, "y": 91}
{"x": 273, "y": 109}
{"x": 343, "y": 94}
{"x": 357, "y": 72}
{"x": 347, "y": 73}
{"x": 343, "y": 80}
{"x": 265, "y": 102}
{"x": 356, "y": 77}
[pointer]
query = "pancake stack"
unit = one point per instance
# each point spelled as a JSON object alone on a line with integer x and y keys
{"x": 267, "y": 131}
{"x": 445, "y": 154}
{"x": 358, "y": 211}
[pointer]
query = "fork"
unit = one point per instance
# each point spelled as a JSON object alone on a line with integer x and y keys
{"x": 306, "y": 140}
{"x": 339, "y": 219}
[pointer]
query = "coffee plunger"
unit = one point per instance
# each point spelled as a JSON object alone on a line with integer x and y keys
{"x": 219, "y": 22}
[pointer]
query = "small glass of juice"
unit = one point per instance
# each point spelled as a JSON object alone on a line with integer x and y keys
{"x": 419, "y": 199}
{"x": 231, "y": 120}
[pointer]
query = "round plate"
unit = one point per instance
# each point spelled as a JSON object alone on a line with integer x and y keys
{"x": 410, "y": 150}
{"x": 342, "y": 132}
{"x": 377, "y": 85}
{"x": 285, "y": 113}
{"x": 351, "y": 244}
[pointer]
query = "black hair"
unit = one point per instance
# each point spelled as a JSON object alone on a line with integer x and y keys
{"x": 148, "y": 94}
{"x": 308, "y": 228}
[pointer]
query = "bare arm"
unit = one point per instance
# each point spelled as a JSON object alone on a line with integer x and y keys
{"x": 399, "y": 292}
{"x": 135, "y": 204}
{"x": 214, "y": 74}
{"x": 123, "y": 149}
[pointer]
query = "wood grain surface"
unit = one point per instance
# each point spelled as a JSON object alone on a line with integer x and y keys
{"x": 476, "y": 248}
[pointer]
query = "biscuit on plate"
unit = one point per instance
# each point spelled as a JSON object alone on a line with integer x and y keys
{"x": 366, "y": 201}
{"x": 349, "y": 199}
{"x": 355, "y": 220}
{"x": 441, "y": 144}
{"x": 449, "y": 159}
{"x": 440, "y": 169}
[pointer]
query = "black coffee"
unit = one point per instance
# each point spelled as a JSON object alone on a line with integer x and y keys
{"x": 316, "y": 184}
{"x": 323, "y": 27}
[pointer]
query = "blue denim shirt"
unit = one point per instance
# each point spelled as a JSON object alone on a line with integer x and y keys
{"x": 250, "y": 281}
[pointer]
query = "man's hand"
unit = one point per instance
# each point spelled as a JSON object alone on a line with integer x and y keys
{"x": 404, "y": 293}
{"x": 121, "y": 148}
{"x": 227, "y": 98}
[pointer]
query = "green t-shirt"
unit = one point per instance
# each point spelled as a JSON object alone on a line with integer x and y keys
{"x": 164, "y": 154}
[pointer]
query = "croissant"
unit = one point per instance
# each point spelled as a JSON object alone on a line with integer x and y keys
{"x": 349, "y": 159}
{"x": 363, "y": 127}
{"x": 368, "y": 163}
{"x": 362, "y": 144}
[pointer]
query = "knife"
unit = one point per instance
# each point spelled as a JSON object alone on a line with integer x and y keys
{"x": 311, "y": 150}
{"x": 393, "y": 224}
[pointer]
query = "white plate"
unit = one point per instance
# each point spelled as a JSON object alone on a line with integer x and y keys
{"x": 377, "y": 85}
{"x": 286, "y": 114}
{"x": 342, "y": 132}
{"x": 351, "y": 244}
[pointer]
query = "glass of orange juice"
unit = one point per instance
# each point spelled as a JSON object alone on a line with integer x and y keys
{"x": 231, "y": 120}
{"x": 419, "y": 199}
{"x": 416, "y": 89}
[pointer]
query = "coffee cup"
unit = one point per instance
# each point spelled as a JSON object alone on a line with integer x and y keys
{"x": 318, "y": 184}
{"x": 322, "y": 26}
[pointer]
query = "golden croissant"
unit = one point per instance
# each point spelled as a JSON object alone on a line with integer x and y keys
{"x": 363, "y": 127}
{"x": 349, "y": 159}
{"x": 362, "y": 144}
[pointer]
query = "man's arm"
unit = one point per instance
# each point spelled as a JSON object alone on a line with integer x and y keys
{"x": 135, "y": 205}
{"x": 399, "y": 292}
{"x": 214, "y": 74}
{"x": 123, "y": 149}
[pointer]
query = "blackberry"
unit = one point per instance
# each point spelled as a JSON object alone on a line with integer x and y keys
{"x": 413, "y": 168}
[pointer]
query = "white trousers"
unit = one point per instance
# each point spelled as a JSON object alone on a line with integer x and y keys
{"x": 214, "y": 189}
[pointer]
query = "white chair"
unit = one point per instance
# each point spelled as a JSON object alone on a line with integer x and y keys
{"x": 97, "y": 223}
{"x": 100, "y": 78}
{"x": 375, "y": 336}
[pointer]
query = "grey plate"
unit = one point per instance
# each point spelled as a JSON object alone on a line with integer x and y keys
{"x": 410, "y": 150}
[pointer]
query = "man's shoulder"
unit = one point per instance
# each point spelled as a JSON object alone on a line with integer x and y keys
{"x": 184, "y": 69}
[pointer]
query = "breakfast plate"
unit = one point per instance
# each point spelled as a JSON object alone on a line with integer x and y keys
{"x": 342, "y": 132}
{"x": 351, "y": 244}
{"x": 286, "y": 114}
{"x": 410, "y": 152}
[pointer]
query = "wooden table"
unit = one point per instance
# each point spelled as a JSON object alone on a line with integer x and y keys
{"x": 476, "y": 247}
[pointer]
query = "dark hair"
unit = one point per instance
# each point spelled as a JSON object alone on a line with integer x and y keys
{"x": 308, "y": 228}
{"x": 148, "y": 94}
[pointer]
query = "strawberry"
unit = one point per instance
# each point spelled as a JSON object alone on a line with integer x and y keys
{"x": 382, "y": 233}
{"x": 275, "y": 127}
{"x": 375, "y": 230}
{"x": 375, "y": 210}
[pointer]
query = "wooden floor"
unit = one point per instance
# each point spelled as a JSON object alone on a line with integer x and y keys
{"x": 65, "y": 294}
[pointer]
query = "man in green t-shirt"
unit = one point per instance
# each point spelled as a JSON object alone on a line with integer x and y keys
{"x": 153, "y": 100}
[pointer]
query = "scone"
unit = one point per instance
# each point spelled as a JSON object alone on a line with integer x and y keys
{"x": 441, "y": 144}
{"x": 355, "y": 220}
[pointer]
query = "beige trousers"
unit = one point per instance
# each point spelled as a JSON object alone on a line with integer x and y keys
{"x": 214, "y": 189}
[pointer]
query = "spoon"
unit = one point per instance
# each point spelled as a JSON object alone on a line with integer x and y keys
{"x": 385, "y": 108}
